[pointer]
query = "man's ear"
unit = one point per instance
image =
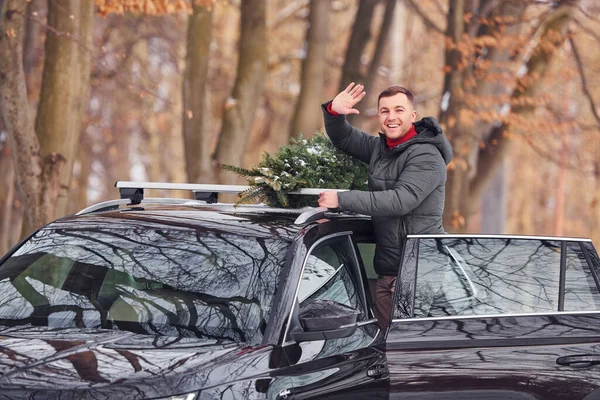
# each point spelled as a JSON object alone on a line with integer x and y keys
{"x": 413, "y": 116}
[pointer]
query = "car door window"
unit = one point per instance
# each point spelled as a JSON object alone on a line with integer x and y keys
{"x": 330, "y": 274}
{"x": 581, "y": 289}
{"x": 475, "y": 276}
{"x": 367, "y": 253}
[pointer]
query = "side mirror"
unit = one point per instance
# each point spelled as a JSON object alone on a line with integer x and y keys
{"x": 324, "y": 320}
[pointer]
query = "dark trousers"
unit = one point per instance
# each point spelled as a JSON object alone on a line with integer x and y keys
{"x": 384, "y": 295}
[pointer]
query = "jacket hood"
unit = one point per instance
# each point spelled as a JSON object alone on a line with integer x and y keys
{"x": 428, "y": 131}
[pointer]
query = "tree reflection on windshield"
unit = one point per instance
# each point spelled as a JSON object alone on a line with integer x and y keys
{"x": 174, "y": 282}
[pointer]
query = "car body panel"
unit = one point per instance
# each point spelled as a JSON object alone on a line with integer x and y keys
{"x": 96, "y": 364}
{"x": 544, "y": 355}
{"x": 529, "y": 355}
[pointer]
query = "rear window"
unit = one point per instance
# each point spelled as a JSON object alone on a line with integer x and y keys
{"x": 184, "y": 283}
{"x": 476, "y": 276}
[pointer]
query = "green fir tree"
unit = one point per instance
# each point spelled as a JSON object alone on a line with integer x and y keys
{"x": 312, "y": 163}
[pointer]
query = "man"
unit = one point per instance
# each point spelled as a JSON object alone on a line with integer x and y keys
{"x": 407, "y": 177}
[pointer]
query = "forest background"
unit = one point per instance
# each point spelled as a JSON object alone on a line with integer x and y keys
{"x": 166, "y": 90}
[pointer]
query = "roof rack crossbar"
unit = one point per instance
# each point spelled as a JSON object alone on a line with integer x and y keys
{"x": 307, "y": 214}
{"x": 203, "y": 192}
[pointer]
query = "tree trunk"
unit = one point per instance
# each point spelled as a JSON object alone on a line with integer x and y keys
{"x": 247, "y": 91}
{"x": 150, "y": 146}
{"x": 493, "y": 204}
{"x": 527, "y": 86}
{"x": 85, "y": 160}
{"x": 32, "y": 40}
{"x": 172, "y": 158}
{"x": 457, "y": 183}
{"x": 195, "y": 116}
{"x": 307, "y": 118}
{"x": 40, "y": 176}
{"x": 474, "y": 167}
{"x": 595, "y": 206}
{"x": 65, "y": 86}
{"x": 460, "y": 207}
{"x": 397, "y": 43}
{"x": 361, "y": 34}
{"x": 381, "y": 46}
{"x": 15, "y": 111}
{"x": 7, "y": 196}
{"x": 560, "y": 189}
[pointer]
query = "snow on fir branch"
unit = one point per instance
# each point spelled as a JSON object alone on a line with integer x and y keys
{"x": 312, "y": 163}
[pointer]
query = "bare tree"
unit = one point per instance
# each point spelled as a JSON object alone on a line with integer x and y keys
{"x": 307, "y": 118}
{"x": 360, "y": 36}
{"x": 43, "y": 162}
{"x": 15, "y": 112}
{"x": 247, "y": 91}
{"x": 195, "y": 116}
{"x": 65, "y": 85}
{"x": 32, "y": 39}
{"x": 7, "y": 196}
{"x": 481, "y": 144}
{"x": 553, "y": 34}
{"x": 381, "y": 46}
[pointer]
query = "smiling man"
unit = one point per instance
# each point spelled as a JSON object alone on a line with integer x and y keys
{"x": 407, "y": 177}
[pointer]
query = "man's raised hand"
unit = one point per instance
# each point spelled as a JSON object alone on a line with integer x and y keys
{"x": 345, "y": 101}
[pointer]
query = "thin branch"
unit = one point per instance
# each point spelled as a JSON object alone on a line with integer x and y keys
{"x": 439, "y": 7}
{"x": 287, "y": 12}
{"x": 94, "y": 54}
{"x": 584, "y": 84}
{"x": 587, "y": 14}
{"x": 428, "y": 22}
{"x": 587, "y": 30}
{"x": 552, "y": 158}
{"x": 481, "y": 14}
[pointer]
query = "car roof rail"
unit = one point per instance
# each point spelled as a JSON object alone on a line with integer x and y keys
{"x": 134, "y": 191}
{"x": 111, "y": 205}
{"x": 311, "y": 215}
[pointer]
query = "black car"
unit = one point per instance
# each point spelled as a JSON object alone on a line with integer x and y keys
{"x": 178, "y": 299}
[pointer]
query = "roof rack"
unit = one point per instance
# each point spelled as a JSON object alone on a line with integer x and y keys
{"x": 134, "y": 191}
{"x": 132, "y": 194}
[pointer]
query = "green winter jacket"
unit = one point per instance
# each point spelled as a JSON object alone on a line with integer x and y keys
{"x": 406, "y": 184}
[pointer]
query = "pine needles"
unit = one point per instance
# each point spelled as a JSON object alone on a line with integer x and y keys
{"x": 314, "y": 163}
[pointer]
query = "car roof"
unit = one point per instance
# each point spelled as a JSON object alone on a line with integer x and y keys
{"x": 243, "y": 221}
{"x": 249, "y": 220}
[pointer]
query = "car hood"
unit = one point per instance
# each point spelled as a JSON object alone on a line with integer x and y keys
{"x": 39, "y": 362}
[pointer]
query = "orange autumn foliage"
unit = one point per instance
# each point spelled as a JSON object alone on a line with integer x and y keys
{"x": 148, "y": 7}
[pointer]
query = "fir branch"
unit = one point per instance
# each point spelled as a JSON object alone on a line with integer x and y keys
{"x": 302, "y": 163}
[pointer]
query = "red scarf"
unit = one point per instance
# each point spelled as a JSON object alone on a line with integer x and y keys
{"x": 405, "y": 138}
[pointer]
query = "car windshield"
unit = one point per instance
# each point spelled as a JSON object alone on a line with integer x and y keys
{"x": 183, "y": 283}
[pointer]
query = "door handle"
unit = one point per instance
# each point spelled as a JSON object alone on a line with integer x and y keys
{"x": 579, "y": 361}
{"x": 377, "y": 371}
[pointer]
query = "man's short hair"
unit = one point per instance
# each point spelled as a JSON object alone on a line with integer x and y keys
{"x": 394, "y": 90}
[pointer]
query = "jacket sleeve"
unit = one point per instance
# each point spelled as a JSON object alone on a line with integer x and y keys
{"x": 424, "y": 171}
{"x": 347, "y": 138}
